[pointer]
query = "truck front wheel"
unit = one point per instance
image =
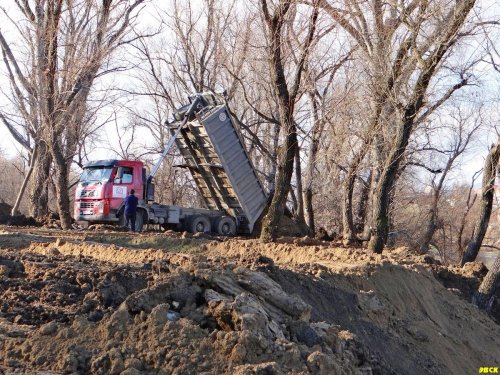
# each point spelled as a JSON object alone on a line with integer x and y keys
{"x": 199, "y": 223}
{"x": 225, "y": 226}
{"x": 139, "y": 221}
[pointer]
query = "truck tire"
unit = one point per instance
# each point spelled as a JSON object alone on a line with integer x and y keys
{"x": 225, "y": 226}
{"x": 198, "y": 224}
{"x": 139, "y": 221}
{"x": 121, "y": 220}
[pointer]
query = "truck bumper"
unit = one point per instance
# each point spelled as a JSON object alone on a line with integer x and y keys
{"x": 96, "y": 218}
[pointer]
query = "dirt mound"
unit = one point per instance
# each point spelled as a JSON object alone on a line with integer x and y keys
{"x": 16, "y": 220}
{"x": 158, "y": 304}
{"x": 212, "y": 319}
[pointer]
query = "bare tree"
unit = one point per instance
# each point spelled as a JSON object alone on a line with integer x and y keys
{"x": 488, "y": 191}
{"x": 285, "y": 95}
{"x": 461, "y": 137}
{"x": 70, "y": 44}
{"x": 401, "y": 46}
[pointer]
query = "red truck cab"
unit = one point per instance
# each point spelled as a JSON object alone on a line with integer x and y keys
{"x": 103, "y": 186}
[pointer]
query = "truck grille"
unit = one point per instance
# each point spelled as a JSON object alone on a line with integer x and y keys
{"x": 86, "y": 204}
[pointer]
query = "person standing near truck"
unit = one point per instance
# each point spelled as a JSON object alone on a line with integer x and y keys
{"x": 131, "y": 209}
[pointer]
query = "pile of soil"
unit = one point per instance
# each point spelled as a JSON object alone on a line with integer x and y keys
{"x": 16, "y": 220}
{"x": 162, "y": 304}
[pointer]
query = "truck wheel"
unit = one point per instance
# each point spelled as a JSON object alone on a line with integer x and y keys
{"x": 225, "y": 226}
{"x": 139, "y": 221}
{"x": 199, "y": 223}
{"x": 121, "y": 220}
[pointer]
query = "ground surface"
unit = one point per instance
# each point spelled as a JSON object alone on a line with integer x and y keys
{"x": 106, "y": 302}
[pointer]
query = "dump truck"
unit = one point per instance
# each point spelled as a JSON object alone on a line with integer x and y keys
{"x": 213, "y": 151}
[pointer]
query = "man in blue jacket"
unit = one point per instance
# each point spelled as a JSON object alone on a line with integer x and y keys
{"x": 131, "y": 209}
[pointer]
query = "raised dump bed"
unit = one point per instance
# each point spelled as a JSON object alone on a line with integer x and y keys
{"x": 216, "y": 157}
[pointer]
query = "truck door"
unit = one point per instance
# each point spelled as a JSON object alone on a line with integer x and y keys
{"x": 122, "y": 182}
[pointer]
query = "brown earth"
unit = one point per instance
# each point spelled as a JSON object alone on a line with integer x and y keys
{"x": 16, "y": 220}
{"x": 100, "y": 301}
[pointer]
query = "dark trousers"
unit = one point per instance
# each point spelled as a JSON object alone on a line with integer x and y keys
{"x": 131, "y": 218}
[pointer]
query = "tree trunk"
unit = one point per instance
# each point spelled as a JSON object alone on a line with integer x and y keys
{"x": 470, "y": 202}
{"x": 285, "y": 99}
{"x": 489, "y": 175}
{"x": 484, "y": 297}
{"x": 368, "y": 223}
{"x": 286, "y": 157}
{"x": 271, "y": 180}
{"x": 33, "y": 157}
{"x": 39, "y": 195}
{"x": 62, "y": 187}
{"x": 431, "y": 228}
{"x": 349, "y": 232}
{"x": 382, "y": 197}
{"x": 362, "y": 209}
{"x": 299, "y": 215}
{"x": 311, "y": 160}
{"x": 308, "y": 196}
{"x": 381, "y": 201}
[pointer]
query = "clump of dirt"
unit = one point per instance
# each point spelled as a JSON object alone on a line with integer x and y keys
{"x": 301, "y": 306}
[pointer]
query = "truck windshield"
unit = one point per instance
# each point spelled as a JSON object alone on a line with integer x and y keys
{"x": 94, "y": 174}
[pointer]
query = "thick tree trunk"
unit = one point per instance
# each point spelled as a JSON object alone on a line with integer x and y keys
{"x": 431, "y": 228}
{"x": 470, "y": 202}
{"x": 286, "y": 157}
{"x": 382, "y": 197}
{"x": 488, "y": 289}
{"x": 62, "y": 187}
{"x": 489, "y": 175}
{"x": 271, "y": 179}
{"x": 381, "y": 201}
{"x": 368, "y": 223}
{"x": 39, "y": 195}
{"x": 285, "y": 99}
